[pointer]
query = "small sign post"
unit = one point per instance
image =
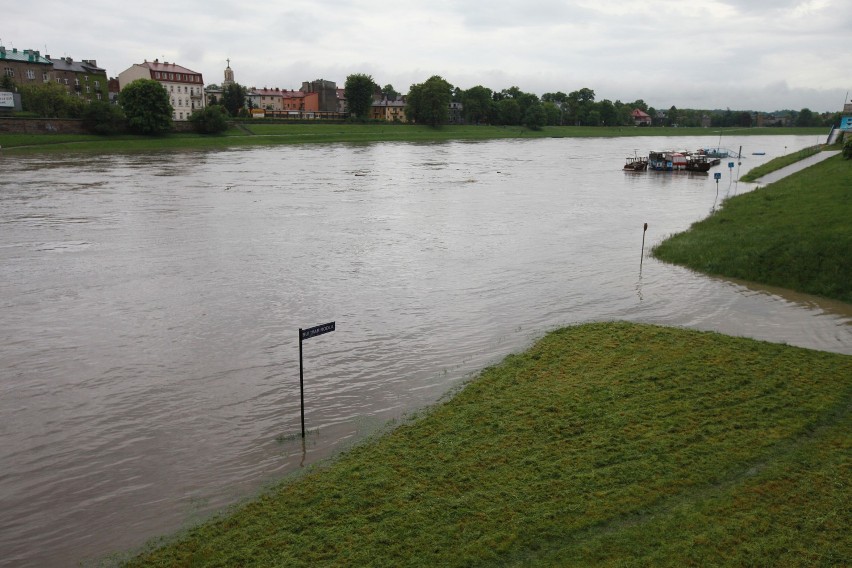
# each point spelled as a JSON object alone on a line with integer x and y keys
{"x": 307, "y": 334}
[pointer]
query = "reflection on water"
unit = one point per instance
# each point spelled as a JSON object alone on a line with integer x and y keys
{"x": 151, "y": 304}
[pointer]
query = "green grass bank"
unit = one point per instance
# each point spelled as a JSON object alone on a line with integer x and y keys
{"x": 794, "y": 233}
{"x": 261, "y": 133}
{"x": 604, "y": 444}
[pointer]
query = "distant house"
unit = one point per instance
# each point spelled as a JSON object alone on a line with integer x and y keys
{"x": 83, "y": 79}
{"x": 185, "y": 87}
{"x": 391, "y": 111}
{"x": 640, "y": 118}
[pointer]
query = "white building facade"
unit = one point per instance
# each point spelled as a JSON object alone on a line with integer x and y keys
{"x": 184, "y": 86}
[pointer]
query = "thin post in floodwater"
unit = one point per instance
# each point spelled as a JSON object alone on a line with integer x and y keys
{"x": 641, "y": 258}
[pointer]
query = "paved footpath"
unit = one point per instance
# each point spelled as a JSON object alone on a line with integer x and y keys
{"x": 798, "y": 166}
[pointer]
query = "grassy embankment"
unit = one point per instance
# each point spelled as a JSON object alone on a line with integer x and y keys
{"x": 604, "y": 444}
{"x": 271, "y": 134}
{"x": 780, "y": 162}
{"x": 794, "y": 233}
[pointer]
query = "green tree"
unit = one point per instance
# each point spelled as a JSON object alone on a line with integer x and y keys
{"x": 478, "y": 106}
{"x": 146, "y": 106}
{"x": 807, "y": 117}
{"x": 50, "y": 100}
{"x": 553, "y": 113}
{"x": 389, "y": 92}
{"x": 535, "y": 117}
{"x": 508, "y": 112}
{"x": 358, "y": 91}
{"x": 101, "y": 117}
{"x": 233, "y": 98}
{"x": 607, "y": 112}
{"x": 847, "y": 148}
{"x": 210, "y": 120}
{"x": 429, "y": 102}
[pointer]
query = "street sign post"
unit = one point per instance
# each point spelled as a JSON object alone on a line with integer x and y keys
{"x": 303, "y": 335}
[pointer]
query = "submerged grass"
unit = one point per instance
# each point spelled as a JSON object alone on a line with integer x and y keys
{"x": 262, "y": 133}
{"x": 608, "y": 443}
{"x": 794, "y": 233}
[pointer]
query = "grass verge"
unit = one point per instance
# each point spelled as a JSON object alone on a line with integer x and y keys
{"x": 794, "y": 233}
{"x": 610, "y": 443}
{"x": 780, "y": 162}
{"x": 252, "y": 134}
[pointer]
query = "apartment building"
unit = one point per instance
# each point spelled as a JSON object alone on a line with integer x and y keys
{"x": 184, "y": 86}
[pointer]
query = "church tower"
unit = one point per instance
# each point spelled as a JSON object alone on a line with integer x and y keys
{"x": 229, "y": 75}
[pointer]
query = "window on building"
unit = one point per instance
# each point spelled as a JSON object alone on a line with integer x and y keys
{"x": 45, "y": 77}
{"x": 88, "y": 89}
{"x": 76, "y": 81}
{"x": 66, "y": 81}
{"x": 30, "y": 74}
{"x": 9, "y": 72}
{"x": 181, "y": 116}
{"x": 97, "y": 84}
{"x": 86, "y": 78}
{"x": 171, "y": 88}
{"x": 98, "y": 96}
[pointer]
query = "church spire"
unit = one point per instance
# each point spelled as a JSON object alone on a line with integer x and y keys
{"x": 229, "y": 75}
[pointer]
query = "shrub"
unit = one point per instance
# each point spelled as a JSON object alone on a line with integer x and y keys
{"x": 101, "y": 117}
{"x": 847, "y": 148}
{"x": 210, "y": 120}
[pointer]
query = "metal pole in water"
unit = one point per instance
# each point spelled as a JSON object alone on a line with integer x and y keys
{"x": 301, "y": 384}
{"x": 645, "y": 228}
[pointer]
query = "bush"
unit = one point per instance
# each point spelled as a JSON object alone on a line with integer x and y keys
{"x": 847, "y": 148}
{"x": 100, "y": 117}
{"x": 210, "y": 120}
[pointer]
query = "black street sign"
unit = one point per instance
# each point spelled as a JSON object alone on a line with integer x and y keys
{"x": 316, "y": 330}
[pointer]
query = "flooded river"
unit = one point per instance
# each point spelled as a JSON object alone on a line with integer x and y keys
{"x": 149, "y": 363}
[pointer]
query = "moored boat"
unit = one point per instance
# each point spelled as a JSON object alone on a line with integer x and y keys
{"x": 636, "y": 164}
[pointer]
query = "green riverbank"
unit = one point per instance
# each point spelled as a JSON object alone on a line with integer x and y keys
{"x": 252, "y": 134}
{"x": 604, "y": 444}
{"x": 794, "y": 233}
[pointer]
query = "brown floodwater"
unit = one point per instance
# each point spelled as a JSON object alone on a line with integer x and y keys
{"x": 151, "y": 303}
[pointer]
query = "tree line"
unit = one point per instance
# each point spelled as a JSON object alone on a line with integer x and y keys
{"x": 144, "y": 107}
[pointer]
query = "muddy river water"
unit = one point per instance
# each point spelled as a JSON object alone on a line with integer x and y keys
{"x": 150, "y": 306}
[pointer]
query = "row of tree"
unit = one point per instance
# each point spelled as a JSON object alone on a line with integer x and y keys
{"x": 429, "y": 103}
{"x": 145, "y": 107}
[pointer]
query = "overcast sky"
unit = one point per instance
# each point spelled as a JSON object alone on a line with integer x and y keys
{"x": 740, "y": 54}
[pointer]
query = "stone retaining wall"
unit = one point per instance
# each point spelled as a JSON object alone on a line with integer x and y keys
{"x": 9, "y": 125}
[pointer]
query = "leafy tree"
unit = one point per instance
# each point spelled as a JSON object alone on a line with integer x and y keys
{"x": 478, "y": 106}
{"x": 389, "y": 92}
{"x": 847, "y": 148}
{"x": 210, "y": 120}
{"x": 7, "y": 84}
{"x": 359, "y": 90}
{"x": 50, "y": 100}
{"x": 428, "y": 102}
{"x": 553, "y": 113}
{"x": 580, "y": 104}
{"x": 508, "y": 112}
{"x": 146, "y": 106}
{"x": 807, "y": 117}
{"x": 101, "y": 117}
{"x": 535, "y": 117}
{"x": 233, "y": 98}
{"x": 607, "y": 112}
{"x": 673, "y": 116}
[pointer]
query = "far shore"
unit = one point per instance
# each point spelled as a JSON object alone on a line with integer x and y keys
{"x": 262, "y": 133}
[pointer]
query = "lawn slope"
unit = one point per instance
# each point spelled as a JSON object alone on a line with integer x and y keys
{"x": 795, "y": 233}
{"x": 608, "y": 443}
